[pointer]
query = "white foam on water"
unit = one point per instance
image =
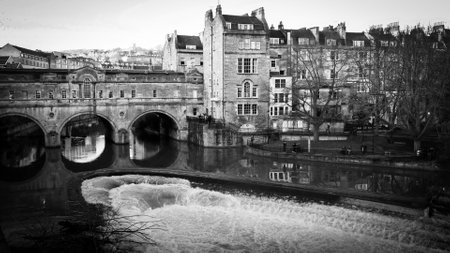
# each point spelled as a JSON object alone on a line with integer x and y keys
{"x": 198, "y": 220}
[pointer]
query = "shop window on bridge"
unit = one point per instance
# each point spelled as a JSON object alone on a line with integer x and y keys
{"x": 50, "y": 94}
{"x": 25, "y": 94}
{"x": 11, "y": 94}
{"x": 74, "y": 93}
{"x": 194, "y": 111}
{"x": 122, "y": 93}
{"x": 154, "y": 93}
{"x": 64, "y": 94}
{"x": 38, "y": 94}
{"x": 133, "y": 93}
{"x": 110, "y": 94}
{"x": 100, "y": 94}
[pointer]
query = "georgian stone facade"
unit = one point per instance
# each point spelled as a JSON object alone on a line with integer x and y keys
{"x": 236, "y": 69}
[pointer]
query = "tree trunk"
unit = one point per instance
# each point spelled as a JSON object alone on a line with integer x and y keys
{"x": 316, "y": 132}
{"x": 416, "y": 145}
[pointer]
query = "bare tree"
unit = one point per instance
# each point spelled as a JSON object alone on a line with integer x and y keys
{"x": 376, "y": 90}
{"x": 422, "y": 77}
{"x": 320, "y": 77}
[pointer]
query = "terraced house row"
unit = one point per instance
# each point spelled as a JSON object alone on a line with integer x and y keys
{"x": 261, "y": 77}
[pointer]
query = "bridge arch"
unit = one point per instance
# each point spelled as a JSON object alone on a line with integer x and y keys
{"x": 174, "y": 120}
{"x": 68, "y": 119}
{"x": 28, "y": 116}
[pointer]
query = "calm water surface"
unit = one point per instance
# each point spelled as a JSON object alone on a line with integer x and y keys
{"x": 36, "y": 183}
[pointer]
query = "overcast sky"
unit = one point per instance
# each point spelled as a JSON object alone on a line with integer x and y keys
{"x": 104, "y": 24}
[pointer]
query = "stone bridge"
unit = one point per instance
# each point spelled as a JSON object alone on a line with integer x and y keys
{"x": 53, "y": 97}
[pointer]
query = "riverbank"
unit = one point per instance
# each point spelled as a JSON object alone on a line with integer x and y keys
{"x": 390, "y": 161}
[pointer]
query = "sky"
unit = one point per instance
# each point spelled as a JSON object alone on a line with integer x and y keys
{"x": 56, "y": 25}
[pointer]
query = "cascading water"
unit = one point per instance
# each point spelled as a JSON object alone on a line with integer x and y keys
{"x": 199, "y": 220}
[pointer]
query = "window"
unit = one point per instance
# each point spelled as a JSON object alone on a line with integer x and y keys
{"x": 247, "y": 89}
{"x": 154, "y": 93}
{"x": 247, "y": 65}
{"x": 64, "y": 94}
{"x": 393, "y": 43}
{"x": 228, "y": 25}
{"x": 11, "y": 94}
{"x": 38, "y": 94}
{"x": 245, "y": 26}
{"x": 194, "y": 111}
{"x": 50, "y": 94}
{"x": 247, "y": 43}
{"x": 25, "y": 94}
{"x": 87, "y": 90}
{"x": 358, "y": 43}
{"x": 193, "y": 47}
{"x": 254, "y": 92}
{"x": 280, "y": 83}
{"x": 110, "y": 95}
{"x": 247, "y": 109}
{"x": 274, "y": 41}
{"x": 331, "y": 42}
{"x": 122, "y": 93}
{"x": 182, "y": 63}
{"x": 100, "y": 93}
{"x": 384, "y": 43}
{"x": 303, "y": 41}
{"x": 361, "y": 87}
{"x": 302, "y": 74}
{"x": 133, "y": 93}
{"x": 273, "y": 64}
{"x": 334, "y": 55}
{"x": 74, "y": 94}
{"x": 239, "y": 92}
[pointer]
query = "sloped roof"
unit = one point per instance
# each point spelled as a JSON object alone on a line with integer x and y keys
{"x": 3, "y": 60}
{"x": 324, "y": 35}
{"x": 302, "y": 33}
{"x": 352, "y": 36}
{"x": 246, "y": 19}
{"x": 31, "y": 52}
{"x": 183, "y": 40}
{"x": 276, "y": 34}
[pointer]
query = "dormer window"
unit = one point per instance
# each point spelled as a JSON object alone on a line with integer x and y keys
{"x": 245, "y": 26}
{"x": 358, "y": 43}
{"x": 228, "y": 24}
{"x": 303, "y": 41}
{"x": 384, "y": 43}
{"x": 331, "y": 42}
{"x": 192, "y": 47}
{"x": 274, "y": 41}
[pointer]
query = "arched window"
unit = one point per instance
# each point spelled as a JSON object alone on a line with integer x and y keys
{"x": 247, "y": 90}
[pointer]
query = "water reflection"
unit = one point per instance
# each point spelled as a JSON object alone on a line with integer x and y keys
{"x": 22, "y": 149}
{"x": 83, "y": 139}
{"x": 153, "y": 151}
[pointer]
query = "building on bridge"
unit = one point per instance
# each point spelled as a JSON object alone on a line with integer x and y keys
{"x": 53, "y": 97}
{"x": 182, "y": 53}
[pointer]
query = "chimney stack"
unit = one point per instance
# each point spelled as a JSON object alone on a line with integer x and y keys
{"x": 219, "y": 10}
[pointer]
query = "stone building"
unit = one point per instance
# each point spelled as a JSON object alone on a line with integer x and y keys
{"x": 237, "y": 68}
{"x": 182, "y": 53}
{"x": 26, "y": 57}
